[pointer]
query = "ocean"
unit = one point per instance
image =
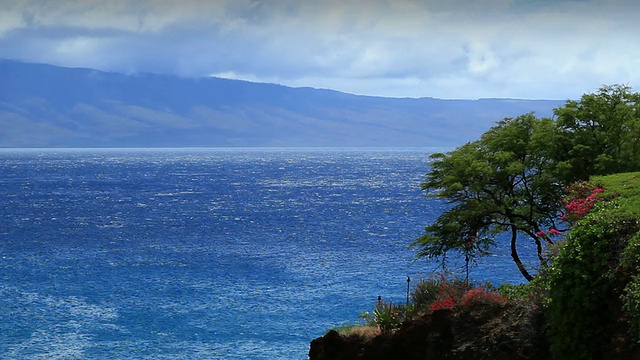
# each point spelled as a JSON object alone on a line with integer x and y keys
{"x": 238, "y": 253}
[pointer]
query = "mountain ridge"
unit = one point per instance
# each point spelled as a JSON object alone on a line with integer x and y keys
{"x": 49, "y": 106}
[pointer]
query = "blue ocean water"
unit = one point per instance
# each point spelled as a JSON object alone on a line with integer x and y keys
{"x": 204, "y": 253}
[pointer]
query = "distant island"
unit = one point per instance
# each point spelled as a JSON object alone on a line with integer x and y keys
{"x": 49, "y": 106}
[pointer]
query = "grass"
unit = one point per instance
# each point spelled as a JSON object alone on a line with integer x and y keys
{"x": 362, "y": 330}
{"x": 626, "y": 186}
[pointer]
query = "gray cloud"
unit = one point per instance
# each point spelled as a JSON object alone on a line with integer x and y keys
{"x": 440, "y": 48}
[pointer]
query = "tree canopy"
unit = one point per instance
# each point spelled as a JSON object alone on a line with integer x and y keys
{"x": 514, "y": 178}
{"x": 600, "y": 133}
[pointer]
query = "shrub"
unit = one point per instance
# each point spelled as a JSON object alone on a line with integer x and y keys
{"x": 453, "y": 289}
{"x": 631, "y": 297}
{"x": 581, "y": 281}
{"x": 533, "y": 294}
{"x": 437, "y": 288}
{"x": 631, "y": 301}
{"x": 450, "y": 293}
{"x": 440, "y": 304}
{"x": 481, "y": 295}
{"x": 432, "y": 294}
{"x": 580, "y": 200}
{"x": 387, "y": 316}
{"x": 425, "y": 293}
{"x": 578, "y": 208}
{"x": 631, "y": 254}
{"x": 513, "y": 292}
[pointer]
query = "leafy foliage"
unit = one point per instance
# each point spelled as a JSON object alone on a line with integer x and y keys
{"x": 601, "y": 133}
{"x": 627, "y": 187}
{"x": 425, "y": 293}
{"x": 481, "y": 295}
{"x": 450, "y": 294}
{"x": 496, "y": 184}
{"x": 513, "y": 292}
{"x": 582, "y": 278}
{"x": 388, "y": 316}
{"x": 514, "y": 178}
{"x": 631, "y": 300}
{"x": 443, "y": 293}
{"x": 580, "y": 206}
{"x": 579, "y": 199}
{"x": 435, "y": 293}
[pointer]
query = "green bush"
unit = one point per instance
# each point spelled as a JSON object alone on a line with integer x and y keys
{"x": 447, "y": 293}
{"x": 513, "y": 292}
{"x": 631, "y": 297}
{"x": 535, "y": 293}
{"x": 438, "y": 287}
{"x": 388, "y": 316}
{"x": 631, "y": 255}
{"x": 425, "y": 293}
{"x": 631, "y": 301}
{"x": 581, "y": 281}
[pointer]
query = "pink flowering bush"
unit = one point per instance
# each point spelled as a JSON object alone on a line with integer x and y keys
{"x": 579, "y": 205}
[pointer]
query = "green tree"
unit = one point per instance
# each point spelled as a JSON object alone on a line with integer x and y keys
{"x": 499, "y": 183}
{"x": 512, "y": 179}
{"x": 601, "y": 133}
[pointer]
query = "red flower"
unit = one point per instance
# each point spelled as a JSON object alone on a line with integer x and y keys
{"x": 447, "y": 303}
{"x": 481, "y": 295}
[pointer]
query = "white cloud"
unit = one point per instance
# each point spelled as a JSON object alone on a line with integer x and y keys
{"x": 481, "y": 59}
{"x": 440, "y": 48}
{"x": 10, "y": 20}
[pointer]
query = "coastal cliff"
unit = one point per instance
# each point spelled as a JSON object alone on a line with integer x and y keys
{"x": 485, "y": 331}
{"x": 586, "y": 305}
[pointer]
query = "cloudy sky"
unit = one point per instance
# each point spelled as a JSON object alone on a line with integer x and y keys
{"x": 399, "y": 48}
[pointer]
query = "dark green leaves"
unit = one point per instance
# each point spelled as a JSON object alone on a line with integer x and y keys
{"x": 493, "y": 184}
{"x": 513, "y": 178}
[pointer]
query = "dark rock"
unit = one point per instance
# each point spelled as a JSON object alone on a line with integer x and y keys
{"x": 496, "y": 332}
{"x": 333, "y": 346}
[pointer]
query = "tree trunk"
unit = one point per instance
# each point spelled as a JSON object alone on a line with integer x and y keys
{"x": 515, "y": 257}
{"x": 543, "y": 262}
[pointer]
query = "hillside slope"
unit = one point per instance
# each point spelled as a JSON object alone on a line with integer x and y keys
{"x": 49, "y": 106}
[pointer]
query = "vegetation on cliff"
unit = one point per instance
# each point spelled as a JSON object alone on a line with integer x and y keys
{"x": 570, "y": 185}
{"x": 593, "y": 302}
{"x": 514, "y": 178}
{"x": 584, "y": 305}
